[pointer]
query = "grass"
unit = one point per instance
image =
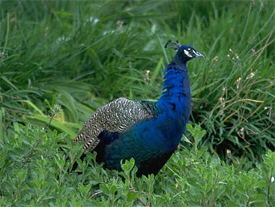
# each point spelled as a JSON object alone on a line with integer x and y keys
{"x": 65, "y": 59}
{"x": 107, "y": 55}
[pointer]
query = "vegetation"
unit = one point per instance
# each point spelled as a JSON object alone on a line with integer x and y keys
{"x": 61, "y": 60}
{"x": 34, "y": 171}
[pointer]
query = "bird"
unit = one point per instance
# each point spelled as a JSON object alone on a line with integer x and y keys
{"x": 148, "y": 131}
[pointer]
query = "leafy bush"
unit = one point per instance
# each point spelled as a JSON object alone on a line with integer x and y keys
{"x": 35, "y": 170}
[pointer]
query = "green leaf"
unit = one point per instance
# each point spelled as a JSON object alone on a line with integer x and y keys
{"x": 128, "y": 165}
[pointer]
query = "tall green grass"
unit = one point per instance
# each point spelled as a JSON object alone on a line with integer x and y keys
{"x": 68, "y": 58}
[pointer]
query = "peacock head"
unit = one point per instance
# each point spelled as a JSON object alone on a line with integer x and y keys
{"x": 184, "y": 54}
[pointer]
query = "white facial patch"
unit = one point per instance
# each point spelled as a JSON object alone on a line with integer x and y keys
{"x": 187, "y": 53}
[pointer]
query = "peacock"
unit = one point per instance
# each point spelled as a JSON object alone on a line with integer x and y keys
{"x": 144, "y": 130}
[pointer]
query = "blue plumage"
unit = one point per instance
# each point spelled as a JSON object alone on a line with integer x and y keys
{"x": 147, "y": 131}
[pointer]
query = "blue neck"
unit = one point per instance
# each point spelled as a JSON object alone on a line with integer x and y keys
{"x": 174, "y": 104}
{"x": 175, "y": 100}
{"x": 176, "y": 87}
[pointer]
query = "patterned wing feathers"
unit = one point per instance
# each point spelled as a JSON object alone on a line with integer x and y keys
{"x": 117, "y": 116}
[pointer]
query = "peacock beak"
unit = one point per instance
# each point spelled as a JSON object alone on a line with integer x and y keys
{"x": 199, "y": 54}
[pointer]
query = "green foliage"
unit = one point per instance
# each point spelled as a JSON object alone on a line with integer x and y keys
{"x": 80, "y": 55}
{"x": 61, "y": 60}
{"x": 35, "y": 170}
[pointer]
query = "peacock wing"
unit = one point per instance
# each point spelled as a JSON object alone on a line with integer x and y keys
{"x": 117, "y": 116}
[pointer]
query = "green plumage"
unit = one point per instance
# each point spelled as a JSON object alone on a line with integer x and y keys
{"x": 150, "y": 106}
